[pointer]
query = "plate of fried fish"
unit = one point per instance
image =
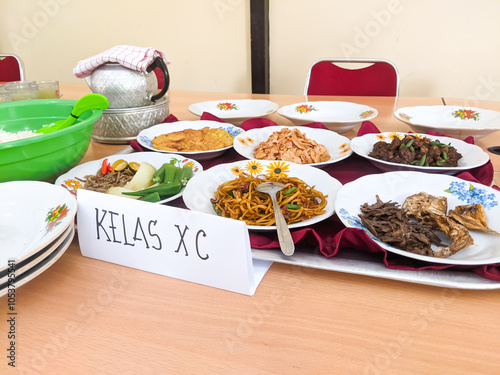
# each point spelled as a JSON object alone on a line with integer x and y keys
{"x": 435, "y": 218}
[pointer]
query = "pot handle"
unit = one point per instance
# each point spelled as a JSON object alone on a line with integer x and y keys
{"x": 159, "y": 63}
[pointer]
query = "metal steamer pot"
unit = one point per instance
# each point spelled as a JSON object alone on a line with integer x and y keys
{"x": 127, "y": 88}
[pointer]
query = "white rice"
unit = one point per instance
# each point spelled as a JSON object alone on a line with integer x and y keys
{"x": 8, "y": 137}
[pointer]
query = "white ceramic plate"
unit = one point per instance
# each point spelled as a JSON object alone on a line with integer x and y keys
{"x": 397, "y": 186}
{"x": 146, "y": 136}
{"x": 472, "y": 155}
{"x": 457, "y": 122}
{"x": 41, "y": 266}
{"x": 235, "y": 111}
{"x": 201, "y": 188}
{"x": 27, "y": 263}
{"x": 32, "y": 215}
{"x": 338, "y": 146}
{"x": 337, "y": 116}
{"x": 70, "y": 181}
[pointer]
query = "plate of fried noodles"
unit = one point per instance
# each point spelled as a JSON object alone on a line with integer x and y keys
{"x": 229, "y": 190}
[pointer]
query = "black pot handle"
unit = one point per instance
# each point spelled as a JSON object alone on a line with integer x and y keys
{"x": 159, "y": 63}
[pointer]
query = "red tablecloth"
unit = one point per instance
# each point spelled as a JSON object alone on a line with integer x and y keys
{"x": 330, "y": 237}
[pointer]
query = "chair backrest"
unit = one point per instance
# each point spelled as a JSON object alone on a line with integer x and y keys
{"x": 11, "y": 68}
{"x": 330, "y": 76}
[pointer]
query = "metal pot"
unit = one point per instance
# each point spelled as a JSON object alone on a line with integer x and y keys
{"x": 127, "y": 88}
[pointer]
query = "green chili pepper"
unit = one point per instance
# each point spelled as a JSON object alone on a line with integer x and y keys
{"x": 422, "y": 161}
{"x": 290, "y": 191}
{"x": 445, "y": 155}
{"x": 217, "y": 210}
{"x": 440, "y": 163}
{"x": 293, "y": 206}
{"x": 412, "y": 148}
{"x": 162, "y": 189}
{"x": 410, "y": 143}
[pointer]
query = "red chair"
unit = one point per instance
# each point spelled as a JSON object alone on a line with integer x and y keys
{"x": 376, "y": 77}
{"x": 11, "y": 68}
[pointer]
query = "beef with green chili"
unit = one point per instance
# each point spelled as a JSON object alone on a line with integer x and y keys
{"x": 414, "y": 150}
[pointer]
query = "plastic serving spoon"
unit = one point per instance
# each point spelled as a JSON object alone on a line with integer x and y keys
{"x": 284, "y": 237}
{"x": 84, "y": 104}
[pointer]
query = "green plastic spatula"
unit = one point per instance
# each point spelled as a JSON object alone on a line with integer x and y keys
{"x": 84, "y": 104}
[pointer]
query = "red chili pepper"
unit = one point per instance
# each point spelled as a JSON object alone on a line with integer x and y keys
{"x": 104, "y": 168}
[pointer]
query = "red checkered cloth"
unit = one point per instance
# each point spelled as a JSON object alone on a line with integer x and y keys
{"x": 135, "y": 58}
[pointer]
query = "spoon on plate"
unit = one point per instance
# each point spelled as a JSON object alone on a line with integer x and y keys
{"x": 284, "y": 237}
{"x": 84, "y": 104}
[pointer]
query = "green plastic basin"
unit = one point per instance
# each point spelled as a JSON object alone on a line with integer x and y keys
{"x": 47, "y": 156}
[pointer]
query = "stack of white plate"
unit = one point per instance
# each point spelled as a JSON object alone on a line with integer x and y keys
{"x": 37, "y": 225}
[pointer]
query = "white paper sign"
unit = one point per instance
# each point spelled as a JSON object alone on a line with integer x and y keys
{"x": 169, "y": 241}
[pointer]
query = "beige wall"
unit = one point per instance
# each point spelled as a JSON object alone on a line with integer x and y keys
{"x": 441, "y": 47}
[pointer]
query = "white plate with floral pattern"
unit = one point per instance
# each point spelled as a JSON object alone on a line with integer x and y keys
{"x": 337, "y": 146}
{"x": 454, "y": 121}
{"x": 42, "y": 265}
{"x": 201, "y": 188}
{"x": 33, "y": 216}
{"x": 74, "y": 179}
{"x": 397, "y": 186}
{"x": 235, "y": 111}
{"x": 337, "y": 116}
{"x": 472, "y": 156}
{"x": 146, "y": 136}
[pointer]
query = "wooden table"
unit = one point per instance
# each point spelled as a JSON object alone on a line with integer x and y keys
{"x": 87, "y": 316}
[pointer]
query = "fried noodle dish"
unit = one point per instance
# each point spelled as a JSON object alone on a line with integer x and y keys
{"x": 293, "y": 146}
{"x": 239, "y": 199}
{"x": 189, "y": 140}
{"x": 414, "y": 225}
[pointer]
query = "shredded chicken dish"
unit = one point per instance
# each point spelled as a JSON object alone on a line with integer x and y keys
{"x": 293, "y": 146}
